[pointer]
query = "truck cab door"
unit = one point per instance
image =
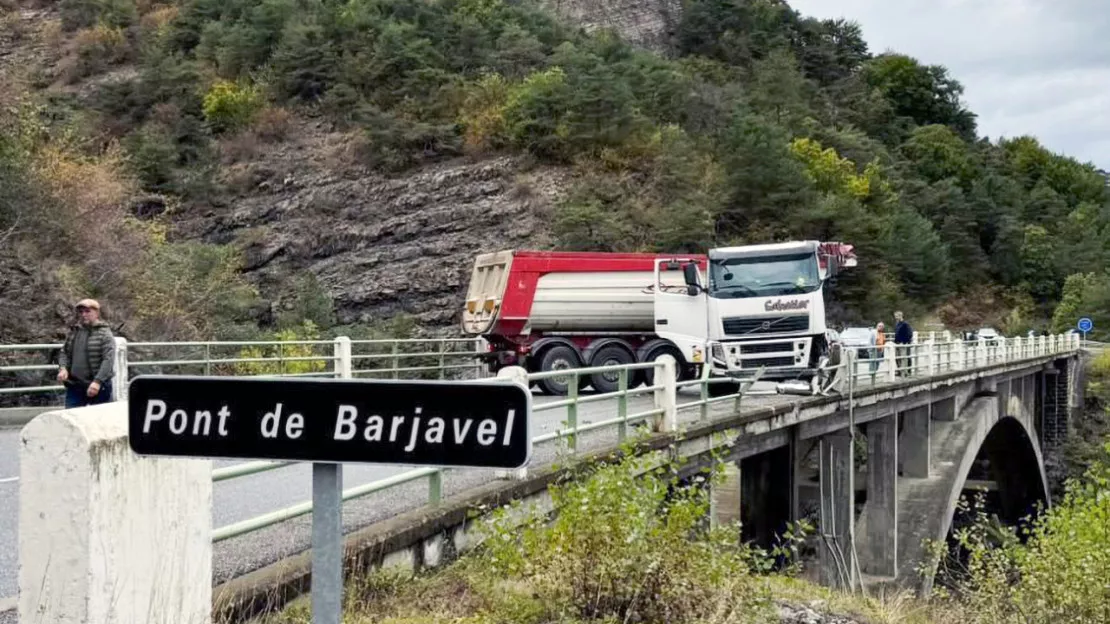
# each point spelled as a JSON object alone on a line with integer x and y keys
{"x": 681, "y": 309}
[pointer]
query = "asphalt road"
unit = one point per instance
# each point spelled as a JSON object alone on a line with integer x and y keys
{"x": 246, "y": 497}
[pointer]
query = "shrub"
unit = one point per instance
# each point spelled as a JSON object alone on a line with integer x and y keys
{"x": 483, "y": 113}
{"x": 96, "y": 49}
{"x": 189, "y": 291}
{"x": 393, "y": 144}
{"x": 78, "y": 14}
{"x": 628, "y": 544}
{"x": 276, "y": 354}
{"x": 272, "y": 124}
{"x": 231, "y": 106}
{"x": 1058, "y": 574}
{"x": 535, "y": 113}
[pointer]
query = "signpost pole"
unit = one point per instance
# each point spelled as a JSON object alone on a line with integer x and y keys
{"x": 327, "y": 543}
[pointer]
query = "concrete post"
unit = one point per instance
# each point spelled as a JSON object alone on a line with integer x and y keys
{"x": 724, "y": 497}
{"x": 107, "y": 536}
{"x": 342, "y": 365}
{"x": 959, "y": 355}
{"x": 520, "y": 375}
{"x": 890, "y": 364}
{"x": 119, "y": 381}
{"x": 934, "y": 357}
{"x": 838, "y": 498}
{"x": 881, "y": 556}
{"x": 914, "y": 442}
{"x": 667, "y": 398}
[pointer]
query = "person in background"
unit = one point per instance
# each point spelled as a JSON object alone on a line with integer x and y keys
{"x": 878, "y": 340}
{"x": 903, "y": 335}
{"x": 87, "y": 363}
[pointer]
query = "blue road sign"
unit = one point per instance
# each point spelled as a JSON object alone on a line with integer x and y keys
{"x": 1085, "y": 324}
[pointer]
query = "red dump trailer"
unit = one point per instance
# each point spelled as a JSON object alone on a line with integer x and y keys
{"x": 559, "y": 310}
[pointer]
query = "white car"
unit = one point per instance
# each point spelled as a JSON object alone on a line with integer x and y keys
{"x": 989, "y": 334}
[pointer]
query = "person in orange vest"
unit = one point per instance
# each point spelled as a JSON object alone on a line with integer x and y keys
{"x": 878, "y": 338}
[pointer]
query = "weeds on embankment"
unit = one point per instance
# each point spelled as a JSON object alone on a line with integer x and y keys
{"x": 631, "y": 543}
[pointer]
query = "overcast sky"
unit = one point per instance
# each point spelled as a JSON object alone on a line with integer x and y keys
{"x": 1037, "y": 67}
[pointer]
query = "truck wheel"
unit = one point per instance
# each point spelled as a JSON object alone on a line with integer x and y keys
{"x": 559, "y": 357}
{"x": 680, "y": 368}
{"x": 722, "y": 388}
{"x": 612, "y": 355}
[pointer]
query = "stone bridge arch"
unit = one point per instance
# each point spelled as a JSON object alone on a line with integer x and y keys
{"x": 993, "y": 429}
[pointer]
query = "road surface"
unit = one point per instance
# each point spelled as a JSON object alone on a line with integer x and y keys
{"x": 250, "y": 496}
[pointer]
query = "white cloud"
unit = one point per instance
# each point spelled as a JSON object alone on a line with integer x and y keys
{"x": 1036, "y": 67}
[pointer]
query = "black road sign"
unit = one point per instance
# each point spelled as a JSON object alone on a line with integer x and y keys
{"x": 432, "y": 423}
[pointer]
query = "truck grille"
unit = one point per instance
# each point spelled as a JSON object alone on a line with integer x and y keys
{"x": 769, "y": 325}
{"x": 769, "y": 347}
{"x": 769, "y": 362}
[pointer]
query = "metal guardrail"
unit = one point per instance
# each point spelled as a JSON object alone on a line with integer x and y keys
{"x": 438, "y": 358}
{"x": 918, "y": 360}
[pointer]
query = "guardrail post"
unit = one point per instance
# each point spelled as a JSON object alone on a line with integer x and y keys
{"x": 396, "y": 360}
{"x": 342, "y": 349}
{"x": 890, "y": 361}
{"x": 667, "y": 398}
{"x": 959, "y": 355}
{"x": 520, "y": 375}
{"x": 934, "y": 356}
{"x": 119, "y": 381}
{"x": 108, "y": 536}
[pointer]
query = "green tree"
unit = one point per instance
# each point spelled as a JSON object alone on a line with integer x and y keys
{"x": 924, "y": 93}
{"x": 779, "y": 90}
{"x": 937, "y": 153}
{"x": 1038, "y": 257}
{"x": 919, "y": 257}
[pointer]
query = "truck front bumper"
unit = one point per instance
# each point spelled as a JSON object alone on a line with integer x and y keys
{"x": 780, "y": 358}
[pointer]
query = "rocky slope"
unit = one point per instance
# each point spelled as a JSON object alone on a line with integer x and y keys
{"x": 378, "y": 245}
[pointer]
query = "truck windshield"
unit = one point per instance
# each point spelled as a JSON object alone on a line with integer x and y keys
{"x": 766, "y": 276}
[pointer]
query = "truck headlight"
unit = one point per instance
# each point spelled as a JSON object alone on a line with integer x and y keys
{"x": 718, "y": 351}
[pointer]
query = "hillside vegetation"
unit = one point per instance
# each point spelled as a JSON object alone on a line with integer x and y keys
{"x": 760, "y": 125}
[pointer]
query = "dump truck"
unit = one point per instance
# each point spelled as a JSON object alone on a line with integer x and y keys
{"x": 736, "y": 309}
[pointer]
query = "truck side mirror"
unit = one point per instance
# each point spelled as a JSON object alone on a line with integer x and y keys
{"x": 690, "y": 272}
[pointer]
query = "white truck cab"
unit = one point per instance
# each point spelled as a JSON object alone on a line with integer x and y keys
{"x": 758, "y": 306}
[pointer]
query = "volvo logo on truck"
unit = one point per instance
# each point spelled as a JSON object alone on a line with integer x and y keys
{"x": 780, "y": 305}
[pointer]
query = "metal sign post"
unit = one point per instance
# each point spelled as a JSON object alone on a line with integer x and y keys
{"x": 327, "y": 543}
{"x": 329, "y": 422}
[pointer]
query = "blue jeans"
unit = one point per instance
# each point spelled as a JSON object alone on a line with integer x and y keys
{"x": 76, "y": 394}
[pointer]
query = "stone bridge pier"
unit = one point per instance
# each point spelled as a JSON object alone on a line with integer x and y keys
{"x": 882, "y": 474}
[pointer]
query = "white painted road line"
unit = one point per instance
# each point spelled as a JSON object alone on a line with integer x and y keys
{"x": 9, "y": 480}
{"x": 8, "y": 604}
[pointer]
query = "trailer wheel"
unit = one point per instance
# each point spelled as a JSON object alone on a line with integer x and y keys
{"x": 558, "y": 357}
{"x": 612, "y": 355}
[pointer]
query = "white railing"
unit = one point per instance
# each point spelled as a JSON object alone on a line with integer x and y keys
{"x": 938, "y": 354}
{"x": 32, "y": 368}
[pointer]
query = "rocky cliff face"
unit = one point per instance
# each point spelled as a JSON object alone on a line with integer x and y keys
{"x": 379, "y": 245}
{"x": 647, "y": 23}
